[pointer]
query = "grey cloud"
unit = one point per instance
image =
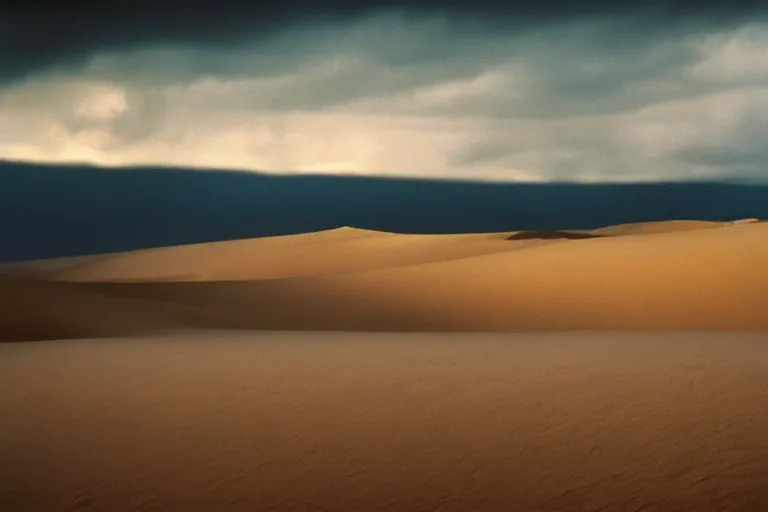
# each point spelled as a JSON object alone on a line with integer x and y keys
{"x": 480, "y": 152}
{"x": 35, "y": 38}
{"x": 726, "y": 157}
{"x": 558, "y": 150}
{"x": 561, "y": 73}
{"x": 556, "y": 76}
{"x": 593, "y": 68}
{"x": 331, "y": 69}
{"x": 741, "y": 151}
{"x": 143, "y": 116}
{"x": 67, "y": 104}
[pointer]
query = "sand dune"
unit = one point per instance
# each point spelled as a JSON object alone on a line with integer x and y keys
{"x": 647, "y": 228}
{"x": 311, "y": 254}
{"x": 690, "y": 279}
{"x": 526, "y": 422}
{"x": 335, "y": 251}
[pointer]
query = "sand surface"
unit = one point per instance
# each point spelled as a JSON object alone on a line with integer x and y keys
{"x": 398, "y": 422}
{"x": 677, "y": 275}
{"x": 164, "y": 379}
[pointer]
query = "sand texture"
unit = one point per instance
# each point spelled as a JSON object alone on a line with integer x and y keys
{"x": 395, "y": 422}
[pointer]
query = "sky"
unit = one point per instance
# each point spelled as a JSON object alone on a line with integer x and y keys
{"x": 526, "y": 90}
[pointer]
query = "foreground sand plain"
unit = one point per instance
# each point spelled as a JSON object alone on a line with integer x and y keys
{"x": 683, "y": 275}
{"x": 381, "y": 421}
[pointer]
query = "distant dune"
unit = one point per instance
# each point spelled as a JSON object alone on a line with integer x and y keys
{"x": 648, "y": 228}
{"x": 334, "y": 251}
{"x": 676, "y": 276}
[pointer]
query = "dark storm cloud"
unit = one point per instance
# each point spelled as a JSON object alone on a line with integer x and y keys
{"x": 46, "y": 35}
{"x": 483, "y": 90}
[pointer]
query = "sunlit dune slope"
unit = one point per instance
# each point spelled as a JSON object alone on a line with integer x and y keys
{"x": 329, "y": 252}
{"x": 321, "y": 253}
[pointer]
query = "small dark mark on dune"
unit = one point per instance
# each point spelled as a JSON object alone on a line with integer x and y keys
{"x": 551, "y": 235}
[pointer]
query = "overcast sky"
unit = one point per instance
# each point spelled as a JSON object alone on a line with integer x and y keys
{"x": 520, "y": 90}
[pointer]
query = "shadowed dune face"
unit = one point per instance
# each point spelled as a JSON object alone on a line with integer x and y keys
{"x": 33, "y": 311}
{"x": 528, "y": 422}
{"x": 356, "y": 280}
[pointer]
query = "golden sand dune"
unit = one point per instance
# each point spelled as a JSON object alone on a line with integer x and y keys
{"x": 326, "y": 252}
{"x": 703, "y": 279}
{"x": 647, "y": 228}
{"x": 288, "y": 422}
{"x": 334, "y": 251}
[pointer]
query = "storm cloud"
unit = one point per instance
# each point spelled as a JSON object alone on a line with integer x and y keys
{"x": 528, "y": 91}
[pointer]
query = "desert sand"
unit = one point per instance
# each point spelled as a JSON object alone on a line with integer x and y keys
{"x": 166, "y": 379}
{"x": 690, "y": 275}
{"x": 396, "y": 422}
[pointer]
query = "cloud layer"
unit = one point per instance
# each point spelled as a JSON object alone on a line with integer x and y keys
{"x": 593, "y": 95}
